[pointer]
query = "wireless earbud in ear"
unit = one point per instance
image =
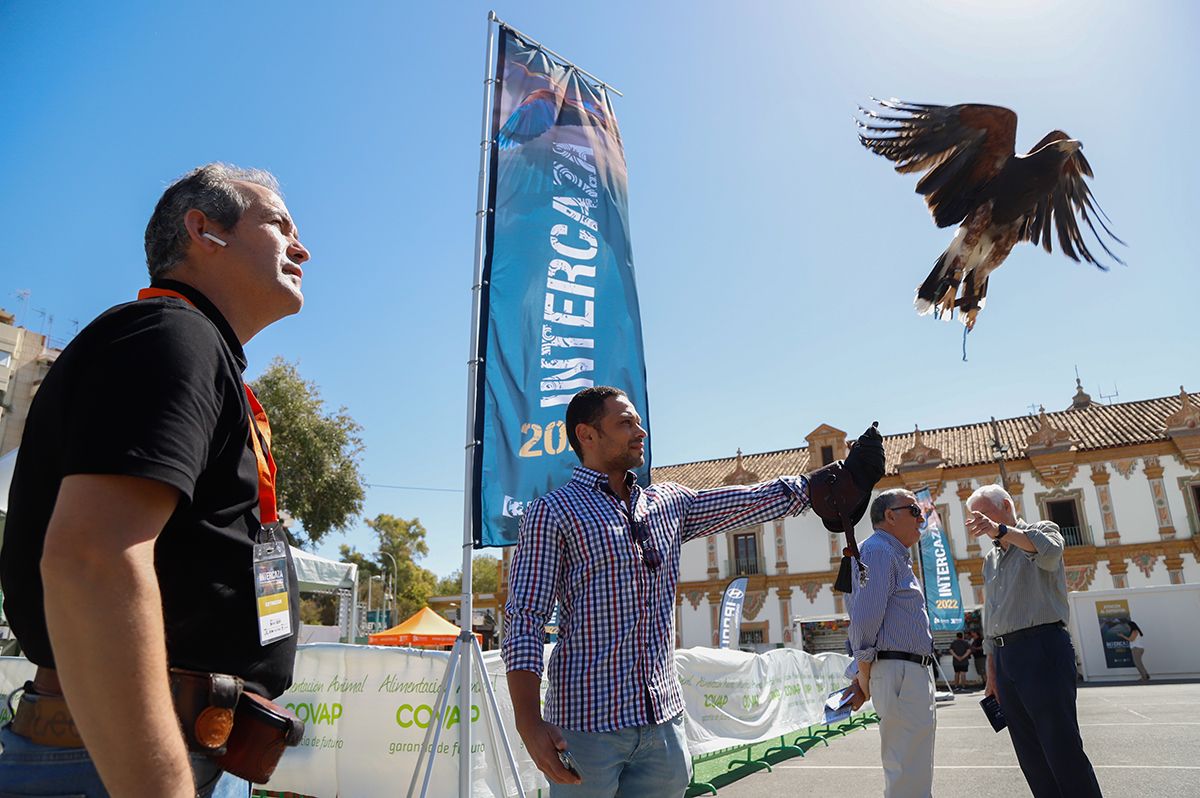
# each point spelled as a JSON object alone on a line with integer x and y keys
{"x": 214, "y": 239}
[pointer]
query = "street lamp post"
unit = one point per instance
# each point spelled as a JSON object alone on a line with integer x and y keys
{"x": 370, "y": 583}
{"x": 998, "y": 451}
{"x": 395, "y": 576}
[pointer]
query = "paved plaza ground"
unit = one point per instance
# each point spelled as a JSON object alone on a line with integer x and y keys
{"x": 1144, "y": 740}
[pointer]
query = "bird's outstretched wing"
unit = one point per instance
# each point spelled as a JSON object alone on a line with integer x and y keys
{"x": 1070, "y": 197}
{"x": 961, "y": 147}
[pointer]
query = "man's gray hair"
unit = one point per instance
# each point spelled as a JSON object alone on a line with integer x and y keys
{"x": 210, "y": 189}
{"x": 994, "y": 495}
{"x": 883, "y": 502}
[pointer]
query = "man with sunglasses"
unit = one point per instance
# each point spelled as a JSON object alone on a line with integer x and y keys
{"x": 607, "y": 550}
{"x": 893, "y": 647}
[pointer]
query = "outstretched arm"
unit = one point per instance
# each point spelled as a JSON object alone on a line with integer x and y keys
{"x": 730, "y": 506}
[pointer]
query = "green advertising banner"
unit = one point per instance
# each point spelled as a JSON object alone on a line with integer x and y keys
{"x": 1113, "y": 616}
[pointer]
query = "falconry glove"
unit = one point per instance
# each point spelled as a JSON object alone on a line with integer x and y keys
{"x": 839, "y": 493}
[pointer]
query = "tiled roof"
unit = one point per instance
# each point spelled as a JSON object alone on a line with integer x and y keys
{"x": 1099, "y": 426}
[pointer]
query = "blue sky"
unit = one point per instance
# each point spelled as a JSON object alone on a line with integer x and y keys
{"x": 776, "y": 258}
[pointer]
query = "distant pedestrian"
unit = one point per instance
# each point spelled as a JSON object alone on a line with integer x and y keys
{"x": 960, "y": 652}
{"x": 1136, "y": 647}
{"x": 979, "y": 655}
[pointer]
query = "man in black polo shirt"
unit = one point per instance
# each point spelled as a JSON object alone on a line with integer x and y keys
{"x": 140, "y": 493}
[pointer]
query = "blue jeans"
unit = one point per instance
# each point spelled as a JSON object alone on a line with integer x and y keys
{"x": 28, "y": 770}
{"x": 631, "y": 763}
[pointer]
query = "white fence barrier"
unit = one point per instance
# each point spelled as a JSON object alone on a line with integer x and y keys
{"x": 366, "y": 710}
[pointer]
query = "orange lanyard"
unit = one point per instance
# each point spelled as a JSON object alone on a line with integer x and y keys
{"x": 260, "y": 432}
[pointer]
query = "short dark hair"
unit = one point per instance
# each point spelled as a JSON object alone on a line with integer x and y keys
{"x": 959, "y": 636}
{"x": 211, "y": 189}
{"x": 587, "y": 407}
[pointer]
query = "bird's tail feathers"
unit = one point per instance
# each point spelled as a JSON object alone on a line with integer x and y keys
{"x": 935, "y": 286}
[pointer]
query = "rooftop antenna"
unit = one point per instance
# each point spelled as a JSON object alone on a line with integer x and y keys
{"x": 75, "y": 327}
{"x": 23, "y": 295}
{"x": 1108, "y": 397}
{"x": 1034, "y": 408}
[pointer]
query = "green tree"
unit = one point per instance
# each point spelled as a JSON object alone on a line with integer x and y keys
{"x": 485, "y": 577}
{"x": 405, "y": 541}
{"x": 317, "y": 452}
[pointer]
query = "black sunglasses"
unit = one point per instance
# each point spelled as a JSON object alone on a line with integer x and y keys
{"x": 912, "y": 508}
{"x": 641, "y": 536}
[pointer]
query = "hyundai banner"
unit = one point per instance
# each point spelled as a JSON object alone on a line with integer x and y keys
{"x": 730, "y": 619}
{"x": 559, "y": 307}
{"x": 942, "y": 597}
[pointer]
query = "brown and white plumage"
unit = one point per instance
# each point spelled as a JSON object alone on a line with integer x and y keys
{"x": 974, "y": 178}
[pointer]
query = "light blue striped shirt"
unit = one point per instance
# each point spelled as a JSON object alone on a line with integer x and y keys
{"x": 888, "y": 613}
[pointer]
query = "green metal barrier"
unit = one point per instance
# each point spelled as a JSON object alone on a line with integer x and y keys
{"x": 742, "y": 756}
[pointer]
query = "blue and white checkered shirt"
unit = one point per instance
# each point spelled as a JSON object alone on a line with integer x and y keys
{"x": 888, "y": 613}
{"x": 614, "y": 667}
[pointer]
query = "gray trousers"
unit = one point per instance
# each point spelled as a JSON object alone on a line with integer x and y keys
{"x": 1137, "y": 661}
{"x": 903, "y": 696}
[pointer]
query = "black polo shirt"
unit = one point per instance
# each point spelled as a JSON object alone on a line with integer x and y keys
{"x": 153, "y": 389}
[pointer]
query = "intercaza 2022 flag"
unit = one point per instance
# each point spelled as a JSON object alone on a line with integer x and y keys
{"x": 559, "y": 308}
{"x": 942, "y": 596}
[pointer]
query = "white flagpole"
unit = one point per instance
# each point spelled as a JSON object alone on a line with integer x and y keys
{"x": 466, "y": 606}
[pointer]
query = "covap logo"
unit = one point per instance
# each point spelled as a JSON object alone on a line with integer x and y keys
{"x": 735, "y": 593}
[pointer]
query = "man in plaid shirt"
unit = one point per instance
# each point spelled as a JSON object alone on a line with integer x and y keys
{"x": 607, "y": 551}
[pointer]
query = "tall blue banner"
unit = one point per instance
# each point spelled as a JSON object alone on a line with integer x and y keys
{"x": 559, "y": 307}
{"x": 942, "y": 596}
{"x": 730, "y": 619}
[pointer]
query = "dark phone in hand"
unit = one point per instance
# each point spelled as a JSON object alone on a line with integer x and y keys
{"x": 995, "y": 715}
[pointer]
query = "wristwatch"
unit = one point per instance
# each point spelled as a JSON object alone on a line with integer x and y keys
{"x": 1003, "y": 531}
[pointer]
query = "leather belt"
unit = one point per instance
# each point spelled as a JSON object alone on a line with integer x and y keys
{"x": 204, "y": 703}
{"x": 924, "y": 660}
{"x": 1012, "y": 637}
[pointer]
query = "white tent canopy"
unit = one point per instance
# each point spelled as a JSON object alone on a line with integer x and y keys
{"x": 320, "y": 575}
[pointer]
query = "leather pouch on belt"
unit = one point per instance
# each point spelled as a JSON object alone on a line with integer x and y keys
{"x": 262, "y": 730}
{"x": 205, "y": 704}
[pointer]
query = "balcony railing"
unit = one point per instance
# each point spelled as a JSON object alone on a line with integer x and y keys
{"x": 1075, "y": 535}
{"x": 746, "y": 566}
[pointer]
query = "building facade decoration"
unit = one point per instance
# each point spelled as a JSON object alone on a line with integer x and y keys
{"x": 1079, "y": 577}
{"x": 1108, "y": 517}
{"x": 781, "y": 563}
{"x": 1144, "y": 563}
{"x": 740, "y": 475}
{"x": 1183, "y": 428}
{"x": 785, "y": 612}
{"x": 1158, "y": 493}
{"x": 752, "y": 606}
{"x": 1052, "y": 452}
{"x": 1125, "y": 466}
{"x": 810, "y": 589}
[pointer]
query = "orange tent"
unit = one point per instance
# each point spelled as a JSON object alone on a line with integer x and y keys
{"x": 425, "y": 629}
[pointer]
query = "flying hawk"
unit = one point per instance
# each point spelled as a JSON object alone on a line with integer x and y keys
{"x": 974, "y": 179}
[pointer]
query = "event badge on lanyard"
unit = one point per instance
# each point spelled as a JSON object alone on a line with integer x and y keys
{"x": 270, "y": 565}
